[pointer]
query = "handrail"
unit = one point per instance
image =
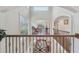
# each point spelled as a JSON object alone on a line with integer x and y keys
{"x": 62, "y": 40}
{"x": 40, "y": 35}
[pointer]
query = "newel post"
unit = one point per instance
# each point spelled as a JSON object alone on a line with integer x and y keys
{"x": 77, "y": 35}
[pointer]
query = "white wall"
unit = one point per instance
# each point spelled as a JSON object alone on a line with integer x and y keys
{"x": 2, "y": 21}
{"x": 76, "y": 30}
{"x": 12, "y": 20}
{"x": 59, "y": 11}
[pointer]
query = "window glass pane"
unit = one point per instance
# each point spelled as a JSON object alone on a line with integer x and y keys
{"x": 23, "y": 25}
{"x": 40, "y": 8}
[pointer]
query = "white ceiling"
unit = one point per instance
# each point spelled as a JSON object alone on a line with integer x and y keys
{"x": 71, "y": 8}
{"x": 76, "y": 8}
{"x": 8, "y": 8}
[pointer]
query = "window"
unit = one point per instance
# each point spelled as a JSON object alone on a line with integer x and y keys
{"x": 39, "y": 18}
{"x": 40, "y": 8}
{"x": 23, "y": 25}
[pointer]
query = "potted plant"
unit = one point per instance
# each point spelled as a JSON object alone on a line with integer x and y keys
{"x": 2, "y": 34}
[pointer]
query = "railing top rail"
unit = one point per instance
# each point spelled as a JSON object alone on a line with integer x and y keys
{"x": 40, "y": 35}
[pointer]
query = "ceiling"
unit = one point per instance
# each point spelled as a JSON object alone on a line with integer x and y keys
{"x": 8, "y": 8}
{"x": 71, "y": 8}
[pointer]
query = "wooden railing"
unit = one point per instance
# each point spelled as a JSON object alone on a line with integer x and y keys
{"x": 60, "y": 32}
{"x": 39, "y": 43}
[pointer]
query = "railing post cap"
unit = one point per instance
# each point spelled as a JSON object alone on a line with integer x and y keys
{"x": 77, "y": 35}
